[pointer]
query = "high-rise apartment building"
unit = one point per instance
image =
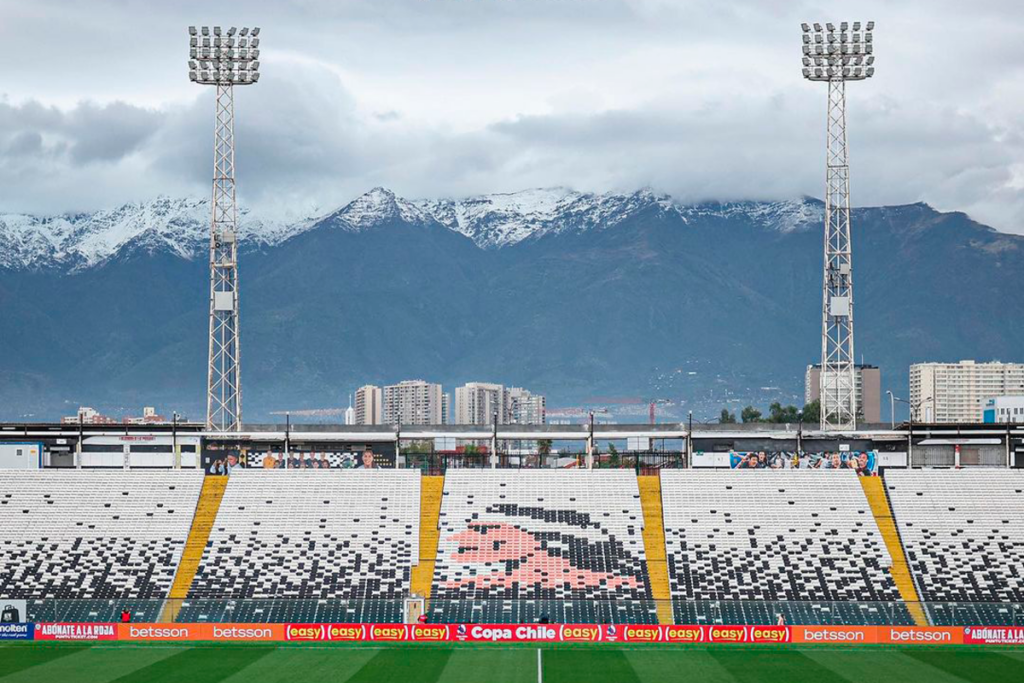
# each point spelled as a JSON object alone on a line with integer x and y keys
{"x": 867, "y": 390}
{"x": 525, "y": 408}
{"x": 958, "y": 392}
{"x": 477, "y": 402}
{"x": 369, "y": 405}
{"x": 413, "y": 402}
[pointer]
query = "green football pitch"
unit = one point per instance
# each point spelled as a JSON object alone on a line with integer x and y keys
{"x": 200, "y": 663}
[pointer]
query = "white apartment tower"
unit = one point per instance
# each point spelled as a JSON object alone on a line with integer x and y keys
{"x": 476, "y": 403}
{"x": 957, "y": 392}
{"x": 369, "y": 405}
{"x": 525, "y": 408}
{"x": 413, "y": 402}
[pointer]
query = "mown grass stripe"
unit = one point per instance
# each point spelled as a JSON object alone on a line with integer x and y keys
{"x": 91, "y": 665}
{"x": 566, "y": 666}
{"x": 654, "y": 666}
{"x": 28, "y": 655}
{"x": 858, "y": 664}
{"x": 982, "y": 667}
{"x": 197, "y": 665}
{"x": 784, "y": 666}
{"x": 304, "y": 665}
{"x": 492, "y": 666}
{"x": 402, "y": 665}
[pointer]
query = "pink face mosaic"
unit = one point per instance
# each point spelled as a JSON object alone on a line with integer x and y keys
{"x": 522, "y": 545}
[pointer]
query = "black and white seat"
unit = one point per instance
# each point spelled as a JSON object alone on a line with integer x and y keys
{"x": 309, "y": 545}
{"x": 963, "y": 532}
{"x": 518, "y": 545}
{"x": 83, "y": 545}
{"x": 745, "y": 546}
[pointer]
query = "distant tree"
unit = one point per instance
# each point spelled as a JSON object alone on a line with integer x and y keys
{"x": 727, "y": 418}
{"x": 544, "y": 446}
{"x": 613, "y": 455}
{"x": 750, "y": 414}
{"x": 783, "y": 415}
{"x": 811, "y": 413}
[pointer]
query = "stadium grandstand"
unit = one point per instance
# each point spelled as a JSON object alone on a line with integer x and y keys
{"x": 837, "y": 537}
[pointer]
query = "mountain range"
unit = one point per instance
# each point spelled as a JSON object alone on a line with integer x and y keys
{"x": 575, "y": 295}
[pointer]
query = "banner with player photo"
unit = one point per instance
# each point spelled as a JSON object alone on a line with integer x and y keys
{"x": 225, "y": 458}
{"x": 864, "y": 463}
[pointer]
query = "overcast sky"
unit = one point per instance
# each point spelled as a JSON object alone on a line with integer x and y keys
{"x": 700, "y": 99}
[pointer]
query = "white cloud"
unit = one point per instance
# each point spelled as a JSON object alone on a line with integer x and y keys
{"x": 698, "y": 98}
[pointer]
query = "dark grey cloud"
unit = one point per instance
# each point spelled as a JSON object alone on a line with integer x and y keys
{"x": 84, "y": 134}
{"x": 698, "y": 98}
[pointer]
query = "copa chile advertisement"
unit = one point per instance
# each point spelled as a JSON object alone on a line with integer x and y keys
{"x": 519, "y": 633}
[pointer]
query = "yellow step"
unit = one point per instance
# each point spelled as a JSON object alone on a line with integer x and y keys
{"x": 431, "y": 493}
{"x": 202, "y": 524}
{"x": 654, "y": 545}
{"x": 874, "y": 490}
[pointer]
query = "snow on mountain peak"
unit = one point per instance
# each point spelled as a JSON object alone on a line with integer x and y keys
{"x": 81, "y": 240}
{"x": 181, "y": 226}
{"x": 783, "y": 216}
{"x": 377, "y": 206}
{"x": 500, "y": 220}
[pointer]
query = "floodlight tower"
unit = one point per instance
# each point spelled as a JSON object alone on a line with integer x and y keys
{"x": 837, "y": 56}
{"x": 224, "y": 59}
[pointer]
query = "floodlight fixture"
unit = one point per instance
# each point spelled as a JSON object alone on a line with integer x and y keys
{"x": 226, "y": 60}
{"x": 840, "y": 48}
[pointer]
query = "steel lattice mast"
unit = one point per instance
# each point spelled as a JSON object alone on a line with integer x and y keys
{"x": 837, "y": 57}
{"x": 223, "y": 60}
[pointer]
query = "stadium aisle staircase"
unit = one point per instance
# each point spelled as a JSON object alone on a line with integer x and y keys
{"x": 874, "y": 489}
{"x": 202, "y": 524}
{"x": 431, "y": 492}
{"x": 654, "y": 545}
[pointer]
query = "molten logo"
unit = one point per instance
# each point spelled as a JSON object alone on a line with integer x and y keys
{"x": 728, "y": 634}
{"x": 422, "y": 632}
{"x": 770, "y": 634}
{"x": 648, "y": 634}
{"x": 345, "y": 633}
{"x": 387, "y": 632}
{"x": 304, "y": 632}
{"x": 684, "y": 634}
{"x": 581, "y": 633}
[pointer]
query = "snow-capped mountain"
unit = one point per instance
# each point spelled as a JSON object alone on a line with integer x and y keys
{"x": 573, "y": 293}
{"x": 180, "y": 226}
{"x": 501, "y": 220}
{"x": 493, "y": 221}
{"x": 376, "y": 207}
